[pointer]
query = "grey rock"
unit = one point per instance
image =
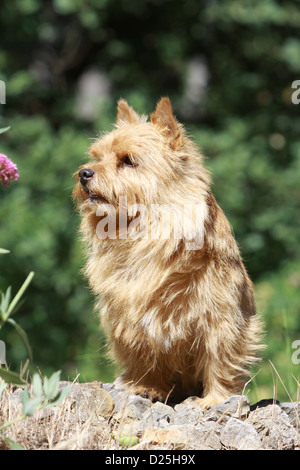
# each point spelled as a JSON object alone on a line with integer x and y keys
{"x": 292, "y": 409}
{"x": 232, "y": 424}
{"x": 239, "y": 435}
{"x": 177, "y": 436}
{"x": 207, "y": 436}
{"x": 132, "y": 406}
{"x": 274, "y": 427}
{"x": 157, "y": 413}
{"x": 109, "y": 387}
{"x": 187, "y": 415}
{"x": 237, "y": 406}
{"x": 132, "y": 428}
{"x": 89, "y": 399}
{"x": 119, "y": 384}
{"x": 184, "y": 436}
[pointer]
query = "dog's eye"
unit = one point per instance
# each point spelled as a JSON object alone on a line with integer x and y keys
{"x": 128, "y": 162}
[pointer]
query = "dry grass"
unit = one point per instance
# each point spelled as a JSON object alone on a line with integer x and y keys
{"x": 58, "y": 428}
{"x": 55, "y": 428}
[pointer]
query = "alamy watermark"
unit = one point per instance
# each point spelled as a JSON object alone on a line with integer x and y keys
{"x": 296, "y": 354}
{"x": 157, "y": 222}
{"x": 296, "y": 94}
{"x": 2, "y": 353}
{"x": 2, "y": 92}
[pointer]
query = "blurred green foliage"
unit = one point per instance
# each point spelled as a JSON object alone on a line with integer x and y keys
{"x": 244, "y": 121}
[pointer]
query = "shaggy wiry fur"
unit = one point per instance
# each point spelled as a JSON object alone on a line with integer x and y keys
{"x": 179, "y": 320}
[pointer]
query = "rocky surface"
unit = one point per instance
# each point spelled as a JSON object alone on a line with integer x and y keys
{"x": 233, "y": 424}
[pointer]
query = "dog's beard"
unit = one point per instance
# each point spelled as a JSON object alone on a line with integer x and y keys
{"x": 94, "y": 196}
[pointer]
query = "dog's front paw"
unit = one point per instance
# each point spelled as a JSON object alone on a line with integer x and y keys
{"x": 206, "y": 402}
{"x": 153, "y": 394}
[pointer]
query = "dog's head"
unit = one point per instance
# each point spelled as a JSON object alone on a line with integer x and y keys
{"x": 146, "y": 166}
{"x": 138, "y": 160}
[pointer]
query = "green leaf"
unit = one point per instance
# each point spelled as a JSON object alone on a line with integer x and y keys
{"x": 11, "y": 377}
{"x": 5, "y": 299}
{"x": 51, "y": 385}
{"x": 4, "y": 129}
{"x": 31, "y": 405}
{"x": 2, "y": 388}
{"x": 37, "y": 385}
{"x": 64, "y": 392}
{"x": 16, "y": 307}
{"x": 23, "y": 336}
{"x": 2, "y": 250}
{"x": 13, "y": 445}
{"x": 18, "y": 296}
{"x": 128, "y": 441}
{"x": 24, "y": 396}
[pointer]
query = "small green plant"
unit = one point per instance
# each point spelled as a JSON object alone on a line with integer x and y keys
{"x": 9, "y": 306}
{"x": 45, "y": 393}
{"x": 41, "y": 395}
{"x": 127, "y": 441}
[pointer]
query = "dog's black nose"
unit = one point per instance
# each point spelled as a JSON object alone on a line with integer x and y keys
{"x": 85, "y": 175}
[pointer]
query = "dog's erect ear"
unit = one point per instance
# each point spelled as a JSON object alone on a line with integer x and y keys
{"x": 126, "y": 114}
{"x": 163, "y": 118}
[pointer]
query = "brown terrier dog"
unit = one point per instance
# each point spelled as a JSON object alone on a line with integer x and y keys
{"x": 178, "y": 310}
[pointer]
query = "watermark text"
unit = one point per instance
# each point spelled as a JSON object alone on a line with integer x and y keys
{"x": 296, "y": 353}
{"x": 157, "y": 222}
{"x": 296, "y": 94}
{"x": 2, "y": 352}
{"x": 2, "y": 92}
